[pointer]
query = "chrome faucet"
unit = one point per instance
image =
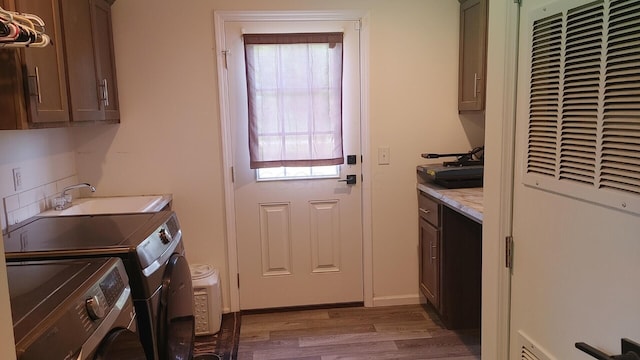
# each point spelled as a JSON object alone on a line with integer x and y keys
{"x": 65, "y": 200}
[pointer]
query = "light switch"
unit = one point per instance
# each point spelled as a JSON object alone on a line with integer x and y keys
{"x": 383, "y": 156}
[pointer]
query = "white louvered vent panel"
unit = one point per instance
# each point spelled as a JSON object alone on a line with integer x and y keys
{"x": 528, "y": 355}
{"x": 530, "y": 350}
{"x": 580, "y": 101}
{"x": 545, "y": 92}
{"x": 621, "y": 123}
{"x": 583, "y": 135}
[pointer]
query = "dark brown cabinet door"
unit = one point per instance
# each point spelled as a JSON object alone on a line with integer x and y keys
{"x": 430, "y": 262}
{"x": 103, "y": 36}
{"x": 471, "y": 74}
{"x": 34, "y": 92}
{"x": 89, "y": 50}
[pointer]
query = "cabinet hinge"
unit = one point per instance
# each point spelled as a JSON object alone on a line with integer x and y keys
{"x": 233, "y": 174}
{"x": 357, "y": 25}
{"x": 509, "y": 252}
{"x": 519, "y": 2}
{"x": 238, "y": 280}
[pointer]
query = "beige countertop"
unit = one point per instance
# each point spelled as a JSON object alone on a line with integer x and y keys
{"x": 467, "y": 201}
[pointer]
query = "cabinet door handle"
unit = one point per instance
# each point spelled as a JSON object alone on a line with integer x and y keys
{"x": 37, "y": 78}
{"x": 433, "y": 247}
{"x": 106, "y": 92}
{"x": 475, "y": 85}
{"x": 426, "y": 212}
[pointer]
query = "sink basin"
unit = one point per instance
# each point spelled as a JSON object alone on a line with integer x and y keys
{"x": 112, "y": 205}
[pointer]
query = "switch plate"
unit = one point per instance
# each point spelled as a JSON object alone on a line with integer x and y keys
{"x": 384, "y": 156}
{"x": 17, "y": 179}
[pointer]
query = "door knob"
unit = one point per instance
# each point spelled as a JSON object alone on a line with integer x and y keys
{"x": 350, "y": 180}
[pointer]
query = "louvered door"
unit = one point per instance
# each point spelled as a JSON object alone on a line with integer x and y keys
{"x": 584, "y": 108}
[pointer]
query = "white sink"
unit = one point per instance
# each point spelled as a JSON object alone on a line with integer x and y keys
{"x": 112, "y": 205}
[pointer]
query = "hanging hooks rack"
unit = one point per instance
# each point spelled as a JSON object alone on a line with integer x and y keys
{"x": 22, "y": 30}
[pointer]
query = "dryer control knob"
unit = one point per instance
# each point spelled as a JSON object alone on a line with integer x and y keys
{"x": 165, "y": 237}
{"x": 95, "y": 307}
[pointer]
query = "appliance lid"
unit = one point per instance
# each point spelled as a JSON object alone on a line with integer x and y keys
{"x": 36, "y": 289}
{"x": 70, "y": 233}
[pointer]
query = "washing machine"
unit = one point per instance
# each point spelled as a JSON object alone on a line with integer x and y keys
{"x": 73, "y": 309}
{"x": 151, "y": 249}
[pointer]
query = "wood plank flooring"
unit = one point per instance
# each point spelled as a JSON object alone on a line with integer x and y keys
{"x": 393, "y": 332}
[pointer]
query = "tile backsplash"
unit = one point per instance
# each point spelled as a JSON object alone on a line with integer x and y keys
{"x": 25, "y": 204}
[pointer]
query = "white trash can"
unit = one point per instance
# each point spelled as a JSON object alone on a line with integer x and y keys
{"x": 207, "y": 298}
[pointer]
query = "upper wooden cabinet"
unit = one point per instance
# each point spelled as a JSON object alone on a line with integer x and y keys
{"x": 89, "y": 50}
{"x": 71, "y": 82}
{"x": 473, "y": 54}
{"x": 33, "y": 88}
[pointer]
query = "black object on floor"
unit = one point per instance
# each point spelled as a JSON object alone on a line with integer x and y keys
{"x": 224, "y": 344}
{"x": 208, "y": 357}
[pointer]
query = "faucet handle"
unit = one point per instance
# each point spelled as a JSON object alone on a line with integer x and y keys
{"x": 59, "y": 203}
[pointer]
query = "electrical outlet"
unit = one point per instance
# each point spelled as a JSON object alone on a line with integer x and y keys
{"x": 17, "y": 179}
{"x": 383, "y": 156}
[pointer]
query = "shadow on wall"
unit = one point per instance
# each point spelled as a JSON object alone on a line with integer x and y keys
{"x": 18, "y": 146}
{"x": 92, "y": 145}
{"x": 473, "y": 125}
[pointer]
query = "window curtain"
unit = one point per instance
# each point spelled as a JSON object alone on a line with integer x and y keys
{"x": 294, "y": 87}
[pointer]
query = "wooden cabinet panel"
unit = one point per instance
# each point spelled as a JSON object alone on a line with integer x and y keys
{"x": 34, "y": 88}
{"x": 89, "y": 48}
{"x": 461, "y": 240}
{"x": 105, "y": 57}
{"x": 430, "y": 263}
{"x": 472, "y": 64}
{"x": 428, "y": 209}
{"x": 450, "y": 263}
{"x": 72, "y": 81}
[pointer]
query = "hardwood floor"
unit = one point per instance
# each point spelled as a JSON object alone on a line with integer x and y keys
{"x": 394, "y": 332}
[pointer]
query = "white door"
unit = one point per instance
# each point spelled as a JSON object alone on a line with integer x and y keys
{"x": 577, "y": 250}
{"x": 299, "y": 241}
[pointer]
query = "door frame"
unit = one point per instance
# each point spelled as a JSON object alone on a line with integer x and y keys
{"x": 502, "y": 73}
{"x": 220, "y": 17}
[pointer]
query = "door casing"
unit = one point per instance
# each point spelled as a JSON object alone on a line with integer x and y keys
{"x": 220, "y": 17}
{"x": 502, "y": 70}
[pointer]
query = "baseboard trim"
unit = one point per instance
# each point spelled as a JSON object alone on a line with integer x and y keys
{"x": 301, "y": 308}
{"x": 409, "y": 299}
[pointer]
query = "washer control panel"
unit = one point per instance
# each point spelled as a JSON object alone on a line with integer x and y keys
{"x": 97, "y": 304}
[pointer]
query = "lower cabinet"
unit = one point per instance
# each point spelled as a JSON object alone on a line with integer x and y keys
{"x": 430, "y": 262}
{"x": 450, "y": 260}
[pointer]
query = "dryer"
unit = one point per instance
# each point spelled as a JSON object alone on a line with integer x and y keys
{"x": 73, "y": 309}
{"x": 150, "y": 246}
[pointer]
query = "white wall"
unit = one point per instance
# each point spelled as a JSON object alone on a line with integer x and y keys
{"x": 44, "y": 156}
{"x": 169, "y": 138}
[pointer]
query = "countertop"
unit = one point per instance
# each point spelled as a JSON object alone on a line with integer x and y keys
{"x": 467, "y": 201}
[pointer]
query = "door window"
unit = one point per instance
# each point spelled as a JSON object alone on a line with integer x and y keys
{"x": 297, "y": 173}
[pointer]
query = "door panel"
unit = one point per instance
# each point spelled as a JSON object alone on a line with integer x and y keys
{"x": 299, "y": 241}
{"x": 45, "y": 69}
{"x": 575, "y": 262}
